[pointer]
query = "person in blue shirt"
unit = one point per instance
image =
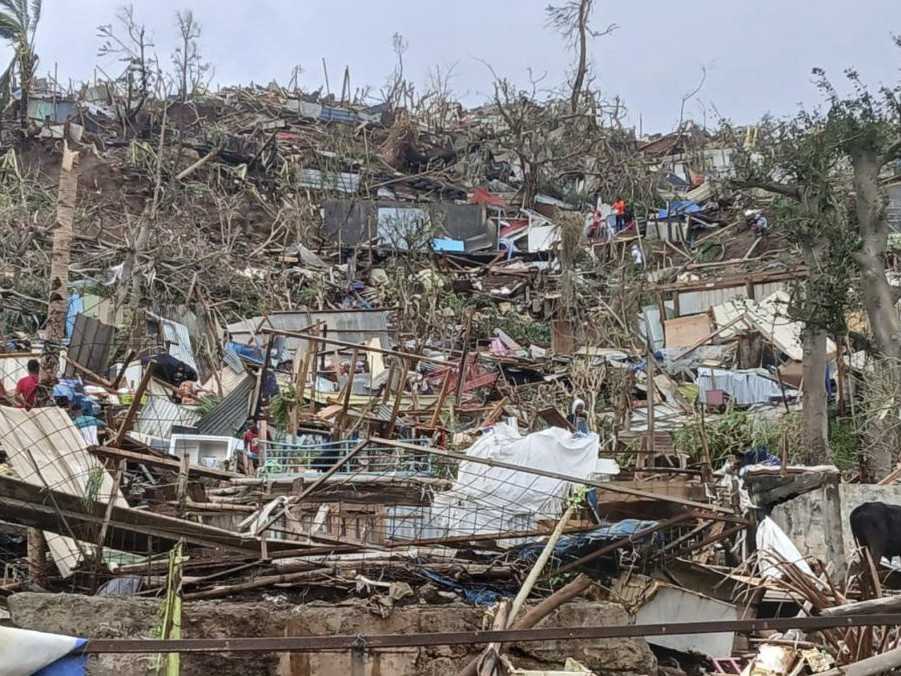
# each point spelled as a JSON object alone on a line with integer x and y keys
{"x": 87, "y": 424}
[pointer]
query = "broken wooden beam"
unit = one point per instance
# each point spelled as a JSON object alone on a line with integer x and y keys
{"x": 163, "y": 463}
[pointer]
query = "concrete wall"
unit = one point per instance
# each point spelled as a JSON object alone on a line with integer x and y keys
{"x": 818, "y": 521}
{"x": 122, "y": 617}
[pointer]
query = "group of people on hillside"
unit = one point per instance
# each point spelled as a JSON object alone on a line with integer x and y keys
{"x": 620, "y": 218}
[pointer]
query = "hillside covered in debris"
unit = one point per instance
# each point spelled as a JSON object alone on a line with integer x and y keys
{"x": 297, "y": 382}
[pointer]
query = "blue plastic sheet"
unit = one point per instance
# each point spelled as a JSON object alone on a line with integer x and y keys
{"x": 679, "y": 208}
{"x": 449, "y": 245}
{"x": 75, "y": 308}
{"x": 477, "y": 594}
{"x": 575, "y": 546}
{"x": 248, "y": 352}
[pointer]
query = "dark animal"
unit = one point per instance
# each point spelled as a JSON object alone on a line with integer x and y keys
{"x": 877, "y": 526}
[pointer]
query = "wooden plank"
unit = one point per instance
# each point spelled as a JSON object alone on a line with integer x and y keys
{"x": 117, "y": 482}
{"x": 685, "y": 331}
{"x": 83, "y": 369}
{"x": 135, "y": 404}
{"x": 162, "y": 463}
{"x": 554, "y": 418}
{"x": 729, "y": 282}
{"x": 708, "y": 338}
{"x": 25, "y": 504}
{"x": 315, "y": 485}
{"x": 360, "y": 346}
{"x": 886, "y": 604}
{"x": 562, "y": 339}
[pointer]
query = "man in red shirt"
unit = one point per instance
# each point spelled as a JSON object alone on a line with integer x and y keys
{"x": 27, "y": 387}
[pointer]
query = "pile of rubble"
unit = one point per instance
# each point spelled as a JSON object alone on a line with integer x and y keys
{"x": 356, "y": 358}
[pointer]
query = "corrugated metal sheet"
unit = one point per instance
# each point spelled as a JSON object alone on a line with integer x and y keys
{"x": 90, "y": 345}
{"x": 354, "y": 326}
{"x": 227, "y": 377}
{"x": 693, "y": 302}
{"x": 178, "y": 338}
{"x": 355, "y": 221}
{"x": 769, "y": 317}
{"x": 767, "y": 290}
{"x": 337, "y": 181}
{"x": 160, "y": 413}
{"x": 47, "y": 438}
{"x": 317, "y": 111}
{"x": 893, "y": 209}
{"x": 233, "y": 361}
{"x": 56, "y": 111}
{"x": 231, "y": 413}
{"x": 650, "y": 318}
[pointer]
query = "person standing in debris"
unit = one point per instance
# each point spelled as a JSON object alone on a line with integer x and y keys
{"x": 760, "y": 225}
{"x": 637, "y": 256}
{"x": 27, "y": 387}
{"x": 578, "y": 418}
{"x": 251, "y": 449}
{"x": 87, "y": 424}
{"x": 619, "y": 208}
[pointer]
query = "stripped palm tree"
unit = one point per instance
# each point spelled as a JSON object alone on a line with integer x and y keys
{"x": 18, "y": 23}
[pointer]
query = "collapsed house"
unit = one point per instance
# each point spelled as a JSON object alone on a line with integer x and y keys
{"x": 433, "y": 415}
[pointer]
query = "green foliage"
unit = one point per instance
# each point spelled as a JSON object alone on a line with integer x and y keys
{"x": 845, "y": 443}
{"x": 737, "y": 431}
{"x": 521, "y": 328}
{"x": 281, "y": 406}
{"x": 207, "y": 404}
{"x": 734, "y": 431}
{"x": 92, "y": 486}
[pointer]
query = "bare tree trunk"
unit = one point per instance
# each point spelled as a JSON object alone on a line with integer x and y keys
{"x": 814, "y": 398}
{"x": 582, "y": 67}
{"x": 816, "y": 418}
{"x": 132, "y": 283}
{"x": 131, "y": 289}
{"x": 59, "y": 263}
{"x": 25, "y": 84}
{"x": 529, "y": 183}
{"x": 878, "y": 296}
{"x": 879, "y": 301}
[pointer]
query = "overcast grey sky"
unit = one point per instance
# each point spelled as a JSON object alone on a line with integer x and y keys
{"x": 758, "y": 53}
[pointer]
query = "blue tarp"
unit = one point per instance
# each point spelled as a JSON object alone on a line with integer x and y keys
{"x": 75, "y": 308}
{"x": 449, "y": 245}
{"x": 572, "y": 547}
{"x": 248, "y": 352}
{"x": 679, "y": 208}
{"x": 23, "y": 651}
{"x": 477, "y": 594}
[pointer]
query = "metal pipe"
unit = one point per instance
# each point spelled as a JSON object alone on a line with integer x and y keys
{"x": 316, "y": 644}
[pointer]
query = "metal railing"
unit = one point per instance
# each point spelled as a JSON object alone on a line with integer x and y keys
{"x": 282, "y": 459}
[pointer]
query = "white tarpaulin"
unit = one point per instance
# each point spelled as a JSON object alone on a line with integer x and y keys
{"x": 487, "y": 499}
{"x": 774, "y": 545}
{"x": 744, "y": 386}
{"x": 24, "y": 652}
